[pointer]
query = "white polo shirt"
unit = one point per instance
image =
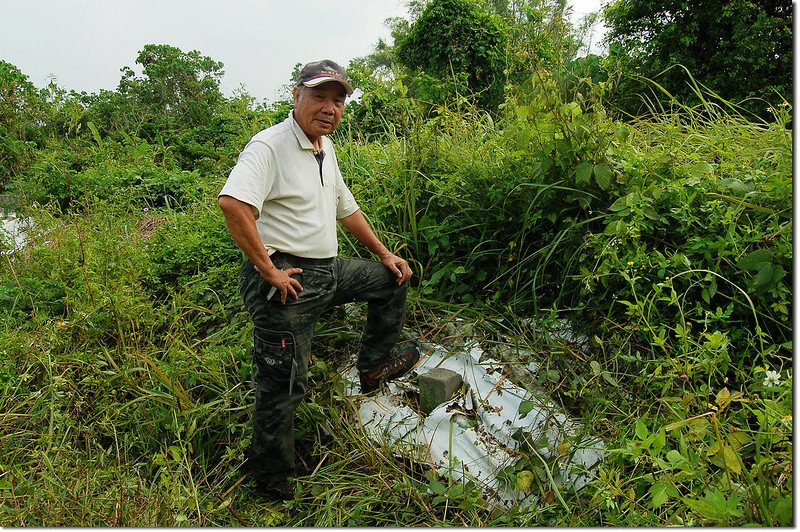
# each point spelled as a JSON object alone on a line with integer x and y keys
{"x": 297, "y": 203}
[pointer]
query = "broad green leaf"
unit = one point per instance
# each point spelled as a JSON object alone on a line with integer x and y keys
{"x": 583, "y": 172}
{"x": 731, "y": 459}
{"x": 455, "y": 491}
{"x": 621, "y": 133}
{"x": 783, "y": 510}
{"x": 738, "y": 439}
{"x": 755, "y": 260}
{"x": 705, "y": 295}
{"x": 649, "y": 212}
{"x": 525, "y": 408}
{"x": 616, "y": 228}
{"x": 175, "y": 451}
{"x": 678, "y": 460}
{"x": 436, "y": 487}
{"x": 713, "y": 449}
{"x": 714, "y": 505}
{"x": 764, "y": 276}
{"x": 735, "y": 185}
{"x": 620, "y": 204}
{"x": 712, "y": 288}
{"x": 778, "y": 273}
{"x": 602, "y": 175}
{"x": 571, "y": 109}
{"x": 659, "y": 496}
{"x": 702, "y": 507}
{"x": 596, "y": 369}
{"x": 701, "y": 169}
{"x": 609, "y": 379}
{"x": 660, "y": 440}
{"x": 723, "y": 397}
{"x": 661, "y": 492}
{"x": 641, "y": 430}
{"x": 633, "y": 199}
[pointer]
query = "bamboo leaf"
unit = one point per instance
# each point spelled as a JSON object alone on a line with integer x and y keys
{"x": 95, "y": 133}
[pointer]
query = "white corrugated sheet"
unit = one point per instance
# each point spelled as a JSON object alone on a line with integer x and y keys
{"x": 13, "y": 231}
{"x": 471, "y": 435}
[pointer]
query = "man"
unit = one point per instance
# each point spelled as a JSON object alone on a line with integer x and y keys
{"x": 281, "y": 203}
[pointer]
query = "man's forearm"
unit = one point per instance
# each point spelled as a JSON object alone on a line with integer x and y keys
{"x": 357, "y": 225}
{"x": 242, "y": 226}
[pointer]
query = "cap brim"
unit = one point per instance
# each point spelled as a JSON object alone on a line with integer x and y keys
{"x": 319, "y": 81}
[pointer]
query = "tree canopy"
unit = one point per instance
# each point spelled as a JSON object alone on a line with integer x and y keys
{"x": 740, "y": 49}
{"x": 177, "y": 90}
{"x": 459, "y": 37}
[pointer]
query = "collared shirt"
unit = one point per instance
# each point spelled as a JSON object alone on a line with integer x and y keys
{"x": 297, "y": 193}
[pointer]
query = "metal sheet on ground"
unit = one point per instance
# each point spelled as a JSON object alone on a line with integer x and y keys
{"x": 471, "y": 436}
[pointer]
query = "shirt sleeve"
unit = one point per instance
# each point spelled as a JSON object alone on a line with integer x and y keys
{"x": 252, "y": 177}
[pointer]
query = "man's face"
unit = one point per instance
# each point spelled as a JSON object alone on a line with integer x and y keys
{"x": 318, "y": 110}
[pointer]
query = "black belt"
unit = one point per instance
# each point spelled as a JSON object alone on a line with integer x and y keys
{"x": 299, "y": 261}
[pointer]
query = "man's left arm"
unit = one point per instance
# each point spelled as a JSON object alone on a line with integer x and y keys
{"x": 357, "y": 225}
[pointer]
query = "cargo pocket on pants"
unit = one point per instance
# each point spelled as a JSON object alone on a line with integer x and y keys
{"x": 274, "y": 353}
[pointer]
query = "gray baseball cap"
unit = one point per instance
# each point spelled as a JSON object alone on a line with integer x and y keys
{"x": 319, "y": 72}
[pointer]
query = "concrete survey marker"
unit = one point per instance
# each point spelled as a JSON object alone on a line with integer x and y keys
{"x": 437, "y": 386}
{"x": 471, "y": 435}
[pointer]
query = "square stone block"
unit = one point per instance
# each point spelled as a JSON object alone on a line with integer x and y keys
{"x": 436, "y": 387}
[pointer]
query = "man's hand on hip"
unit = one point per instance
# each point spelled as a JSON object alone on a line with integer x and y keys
{"x": 283, "y": 282}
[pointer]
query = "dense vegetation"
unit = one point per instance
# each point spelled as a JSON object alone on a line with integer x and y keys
{"x": 739, "y": 49}
{"x": 664, "y": 236}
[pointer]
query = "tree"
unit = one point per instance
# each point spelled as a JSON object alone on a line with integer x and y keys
{"x": 21, "y": 112}
{"x": 542, "y": 43}
{"x": 458, "y": 39}
{"x": 177, "y": 101}
{"x": 740, "y": 49}
{"x": 178, "y": 91}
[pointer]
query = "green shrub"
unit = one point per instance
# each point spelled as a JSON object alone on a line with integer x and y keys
{"x": 715, "y": 222}
{"x": 190, "y": 244}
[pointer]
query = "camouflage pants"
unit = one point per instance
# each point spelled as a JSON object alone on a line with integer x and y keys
{"x": 282, "y": 341}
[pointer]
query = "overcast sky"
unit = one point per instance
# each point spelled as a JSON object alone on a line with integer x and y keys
{"x": 83, "y": 44}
